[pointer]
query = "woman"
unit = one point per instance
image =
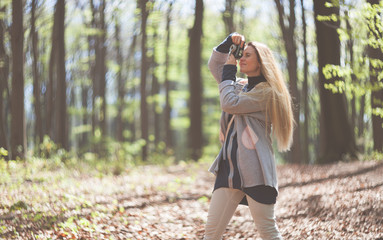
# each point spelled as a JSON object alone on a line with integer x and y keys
{"x": 252, "y": 109}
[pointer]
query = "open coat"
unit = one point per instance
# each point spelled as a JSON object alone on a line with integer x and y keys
{"x": 255, "y": 157}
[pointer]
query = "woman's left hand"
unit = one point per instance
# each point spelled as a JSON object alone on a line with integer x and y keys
{"x": 231, "y": 60}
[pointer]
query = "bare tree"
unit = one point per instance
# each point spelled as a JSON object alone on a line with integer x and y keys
{"x": 18, "y": 130}
{"x": 38, "y": 135}
{"x": 291, "y": 52}
{"x": 195, "y": 139}
{"x": 144, "y": 66}
{"x": 168, "y": 107}
{"x": 306, "y": 140}
{"x": 131, "y": 69}
{"x": 99, "y": 70}
{"x": 155, "y": 91}
{"x": 228, "y": 16}
{"x": 4, "y": 71}
{"x": 51, "y": 85}
{"x": 60, "y": 110}
{"x": 120, "y": 82}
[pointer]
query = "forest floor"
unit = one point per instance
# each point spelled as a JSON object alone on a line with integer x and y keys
{"x": 337, "y": 201}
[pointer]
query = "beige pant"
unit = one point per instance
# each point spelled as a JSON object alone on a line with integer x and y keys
{"x": 222, "y": 206}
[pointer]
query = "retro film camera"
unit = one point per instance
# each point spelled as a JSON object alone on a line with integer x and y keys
{"x": 237, "y": 50}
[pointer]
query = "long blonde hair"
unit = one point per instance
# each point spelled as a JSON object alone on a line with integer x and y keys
{"x": 279, "y": 106}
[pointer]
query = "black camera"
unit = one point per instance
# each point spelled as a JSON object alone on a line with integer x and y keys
{"x": 237, "y": 50}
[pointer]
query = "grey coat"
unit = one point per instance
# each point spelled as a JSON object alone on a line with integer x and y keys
{"x": 255, "y": 157}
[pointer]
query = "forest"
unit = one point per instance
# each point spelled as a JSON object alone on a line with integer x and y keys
{"x": 103, "y": 93}
{"x": 81, "y": 84}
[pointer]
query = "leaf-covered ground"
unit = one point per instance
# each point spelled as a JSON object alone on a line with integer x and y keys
{"x": 338, "y": 201}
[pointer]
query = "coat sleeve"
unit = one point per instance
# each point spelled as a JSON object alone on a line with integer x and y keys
{"x": 234, "y": 102}
{"x": 215, "y": 64}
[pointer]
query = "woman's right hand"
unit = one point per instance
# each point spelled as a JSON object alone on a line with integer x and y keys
{"x": 224, "y": 46}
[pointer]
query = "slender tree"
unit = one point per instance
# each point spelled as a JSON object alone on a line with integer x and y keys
{"x": 92, "y": 46}
{"x": 168, "y": 107}
{"x": 349, "y": 49}
{"x": 375, "y": 54}
{"x": 99, "y": 70}
{"x": 131, "y": 73}
{"x": 61, "y": 118}
{"x": 89, "y": 89}
{"x": 288, "y": 34}
{"x": 36, "y": 78}
{"x": 305, "y": 90}
{"x": 336, "y": 135}
{"x": 84, "y": 105}
{"x": 120, "y": 82}
{"x": 228, "y": 16}
{"x": 50, "y": 97}
{"x": 4, "y": 70}
{"x": 144, "y": 66}
{"x": 195, "y": 139}
{"x": 101, "y": 66}
{"x": 155, "y": 91}
{"x": 18, "y": 130}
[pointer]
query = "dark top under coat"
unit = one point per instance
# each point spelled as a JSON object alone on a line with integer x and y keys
{"x": 261, "y": 193}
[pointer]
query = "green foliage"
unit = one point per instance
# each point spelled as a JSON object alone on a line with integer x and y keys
{"x": 374, "y": 155}
{"x": 378, "y": 112}
{"x": 20, "y": 205}
{"x": 342, "y": 76}
{"x": 3, "y": 153}
{"x": 372, "y": 14}
{"x": 5, "y": 3}
{"x": 81, "y": 129}
{"x": 329, "y": 18}
{"x": 48, "y": 147}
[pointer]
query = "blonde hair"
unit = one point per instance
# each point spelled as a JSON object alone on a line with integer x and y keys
{"x": 279, "y": 106}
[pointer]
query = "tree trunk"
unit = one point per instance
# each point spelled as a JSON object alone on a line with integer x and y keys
{"x": 155, "y": 93}
{"x": 18, "y": 129}
{"x": 131, "y": 69}
{"x": 144, "y": 64}
{"x": 70, "y": 121}
{"x": 228, "y": 16}
{"x": 120, "y": 84}
{"x": 98, "y": 76}
{"x": 61, "y": 118}
{"x": 376, "y": 54}
{"x": 195, "y": 84}
{"x": 92, "y": 45}
{"x": 336, "y": 135}
{"x": 38, "y": 134}
{"x": 50, "y": 97}
{"x": 84, "y": 104}
{"x": 291, "y": 51}
{"x": 168, "y": 107}
{"x": 350, "y": 57}
{"x": 102, "y": 70}
{"x": 4, "y": 71}
{"x": 361, "y": 125}
{"x": 356, "y": 119}
{"x": 306, "y": 140}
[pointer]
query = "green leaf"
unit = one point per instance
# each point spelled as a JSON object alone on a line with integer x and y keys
{"x": 3, "y": 152}
{"x": 18, "y": 206}
{"x": 378, "y": 112}
{"x": 328, "y": 5}
{"x": 203, "y": 199}
{"x": 37, "y": 217}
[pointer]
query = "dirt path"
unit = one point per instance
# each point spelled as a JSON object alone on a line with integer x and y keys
{"x": 340, "y": 201}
